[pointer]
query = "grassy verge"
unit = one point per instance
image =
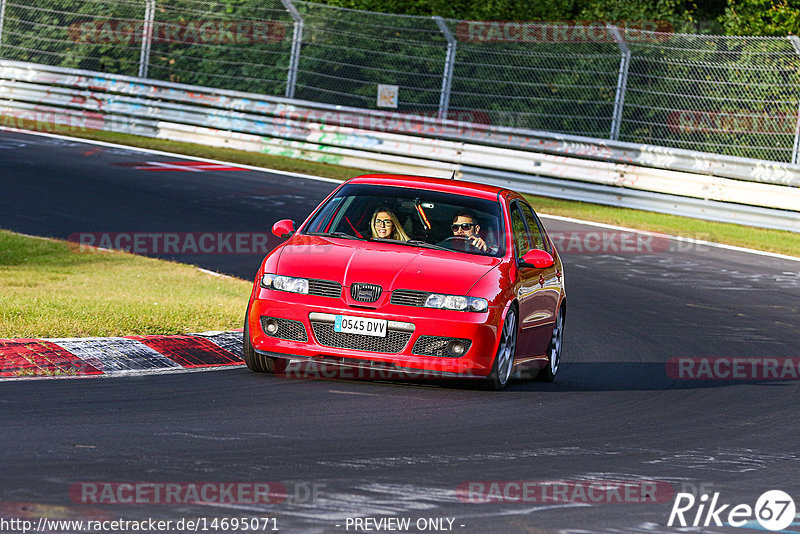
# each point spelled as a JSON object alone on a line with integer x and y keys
{"x": 50, "y": 289}
{"x": 733, "y": 234}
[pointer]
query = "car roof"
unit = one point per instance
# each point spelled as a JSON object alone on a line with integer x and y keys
{"x": 460, "y": 187}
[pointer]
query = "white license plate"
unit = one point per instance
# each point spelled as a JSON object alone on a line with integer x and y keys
{"x": 360, "y": 325}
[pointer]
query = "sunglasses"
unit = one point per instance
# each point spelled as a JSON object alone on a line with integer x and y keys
{"x": 383, "y": 223}
{"x": 463, "y": 226}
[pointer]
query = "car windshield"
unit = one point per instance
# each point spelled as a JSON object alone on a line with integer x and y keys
{"x": 419, "y": 219}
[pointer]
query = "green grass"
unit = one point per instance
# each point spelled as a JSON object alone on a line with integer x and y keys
{"x": 745, "y": 236}
{"x": 49, "y": 288}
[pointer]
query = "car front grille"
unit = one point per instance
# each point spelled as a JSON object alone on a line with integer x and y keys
{"x": 437, "y": 346}
{"x": 408, "y": 297}
{"x": 393, "y": 343}
{"x": 287, "y": 329}
{"x": 324, "y": 288}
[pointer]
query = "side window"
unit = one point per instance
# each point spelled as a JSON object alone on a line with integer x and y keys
{"x": 520, "y": 234}
{"x": 535, "y": 232}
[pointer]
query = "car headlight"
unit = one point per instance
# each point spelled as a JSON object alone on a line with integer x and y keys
{"x": 285, "y": 283}
{"x": 456, "y": 302}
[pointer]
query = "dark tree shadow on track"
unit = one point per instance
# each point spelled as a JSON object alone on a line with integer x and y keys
{"x": 632, "y": 376}
{"x": 573, "y": 376}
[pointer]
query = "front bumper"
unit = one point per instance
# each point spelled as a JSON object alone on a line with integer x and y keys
{"x": 414, "y": 342}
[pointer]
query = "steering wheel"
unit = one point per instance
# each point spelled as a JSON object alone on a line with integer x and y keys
{"x": 460, "y": 243}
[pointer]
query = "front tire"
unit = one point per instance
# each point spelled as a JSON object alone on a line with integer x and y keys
{"x": 506, "y": 349}
{"x": 255, "y": 361}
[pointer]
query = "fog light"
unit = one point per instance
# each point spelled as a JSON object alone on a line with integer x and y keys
{"x": 455, "y": 348}
{"x": 271, "y": 326}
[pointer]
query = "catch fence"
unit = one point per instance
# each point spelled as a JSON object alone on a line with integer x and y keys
{"x": 637, "y": 82}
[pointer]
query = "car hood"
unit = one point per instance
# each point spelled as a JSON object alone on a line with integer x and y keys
{"x": 389, "y": 265}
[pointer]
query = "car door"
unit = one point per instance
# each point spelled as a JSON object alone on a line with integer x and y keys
{"x": 538, "y": 290}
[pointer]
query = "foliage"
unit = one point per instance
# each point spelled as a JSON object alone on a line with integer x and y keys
{"x": 762, "y": 17}
{"x": 465, "y": 9}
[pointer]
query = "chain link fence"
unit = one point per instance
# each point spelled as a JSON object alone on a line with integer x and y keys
{"x": 728, "y": 95}
{"x": 635, "y": 82}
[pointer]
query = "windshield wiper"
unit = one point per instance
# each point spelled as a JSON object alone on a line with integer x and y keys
{"x": 410, "y": 242}
{"x": 426, "y": 245}
{"x": 335, "y": 234}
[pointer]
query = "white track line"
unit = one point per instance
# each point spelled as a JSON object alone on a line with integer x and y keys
{"x": 172, "y": 154}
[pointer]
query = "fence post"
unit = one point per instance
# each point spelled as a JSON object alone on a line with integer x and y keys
{"x": 2, "y": 20}
{"x": 147, "y": 37}
{"x": 622, "y": 81}
{"x": 297, "y": 40}
{"x": 449, "y": 64}
{"x": 795, "y": 40}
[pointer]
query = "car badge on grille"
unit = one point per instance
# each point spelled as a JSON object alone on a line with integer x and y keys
{"x": 365, "y": 292}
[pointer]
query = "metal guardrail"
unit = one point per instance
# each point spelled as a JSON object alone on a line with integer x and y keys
{"x": 635, "y": 81}
{"x": 640, "y": 176}
{"x": 114, "y": 87}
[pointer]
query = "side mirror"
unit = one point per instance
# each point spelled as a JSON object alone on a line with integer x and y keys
{"x": 283, "y": 228}
{"x": 538, "y": 259}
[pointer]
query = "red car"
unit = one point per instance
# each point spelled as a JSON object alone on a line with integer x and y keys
{"x": 415, "y": 276}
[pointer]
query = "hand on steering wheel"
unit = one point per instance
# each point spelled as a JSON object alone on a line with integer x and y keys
{"x": 462, "y": 242}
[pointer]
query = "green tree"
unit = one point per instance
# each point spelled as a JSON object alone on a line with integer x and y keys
{"x": 761, "y": 17}
{"x": 468, "y": 9}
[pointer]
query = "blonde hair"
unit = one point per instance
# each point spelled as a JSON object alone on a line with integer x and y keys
{"x": 398, "y": 232}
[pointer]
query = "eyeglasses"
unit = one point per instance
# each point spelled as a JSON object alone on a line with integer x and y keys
{"x": 463, "y": 226}
{"x": 383, "y": 223}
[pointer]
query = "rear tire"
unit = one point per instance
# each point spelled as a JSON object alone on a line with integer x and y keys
{"x": 255, "y": 361}
{"x": 554, "y": 350}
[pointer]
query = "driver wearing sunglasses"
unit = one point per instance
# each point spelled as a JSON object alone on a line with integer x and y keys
{"x": 465, "y": 225}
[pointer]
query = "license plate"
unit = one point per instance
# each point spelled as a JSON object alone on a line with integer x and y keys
{"x": 360, "y": 325}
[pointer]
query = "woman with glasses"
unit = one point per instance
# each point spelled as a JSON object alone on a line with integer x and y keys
{"x": 384, "y": 225}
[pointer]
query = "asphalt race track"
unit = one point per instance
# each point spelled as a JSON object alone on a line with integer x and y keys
{"x": 622, "y": 414}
